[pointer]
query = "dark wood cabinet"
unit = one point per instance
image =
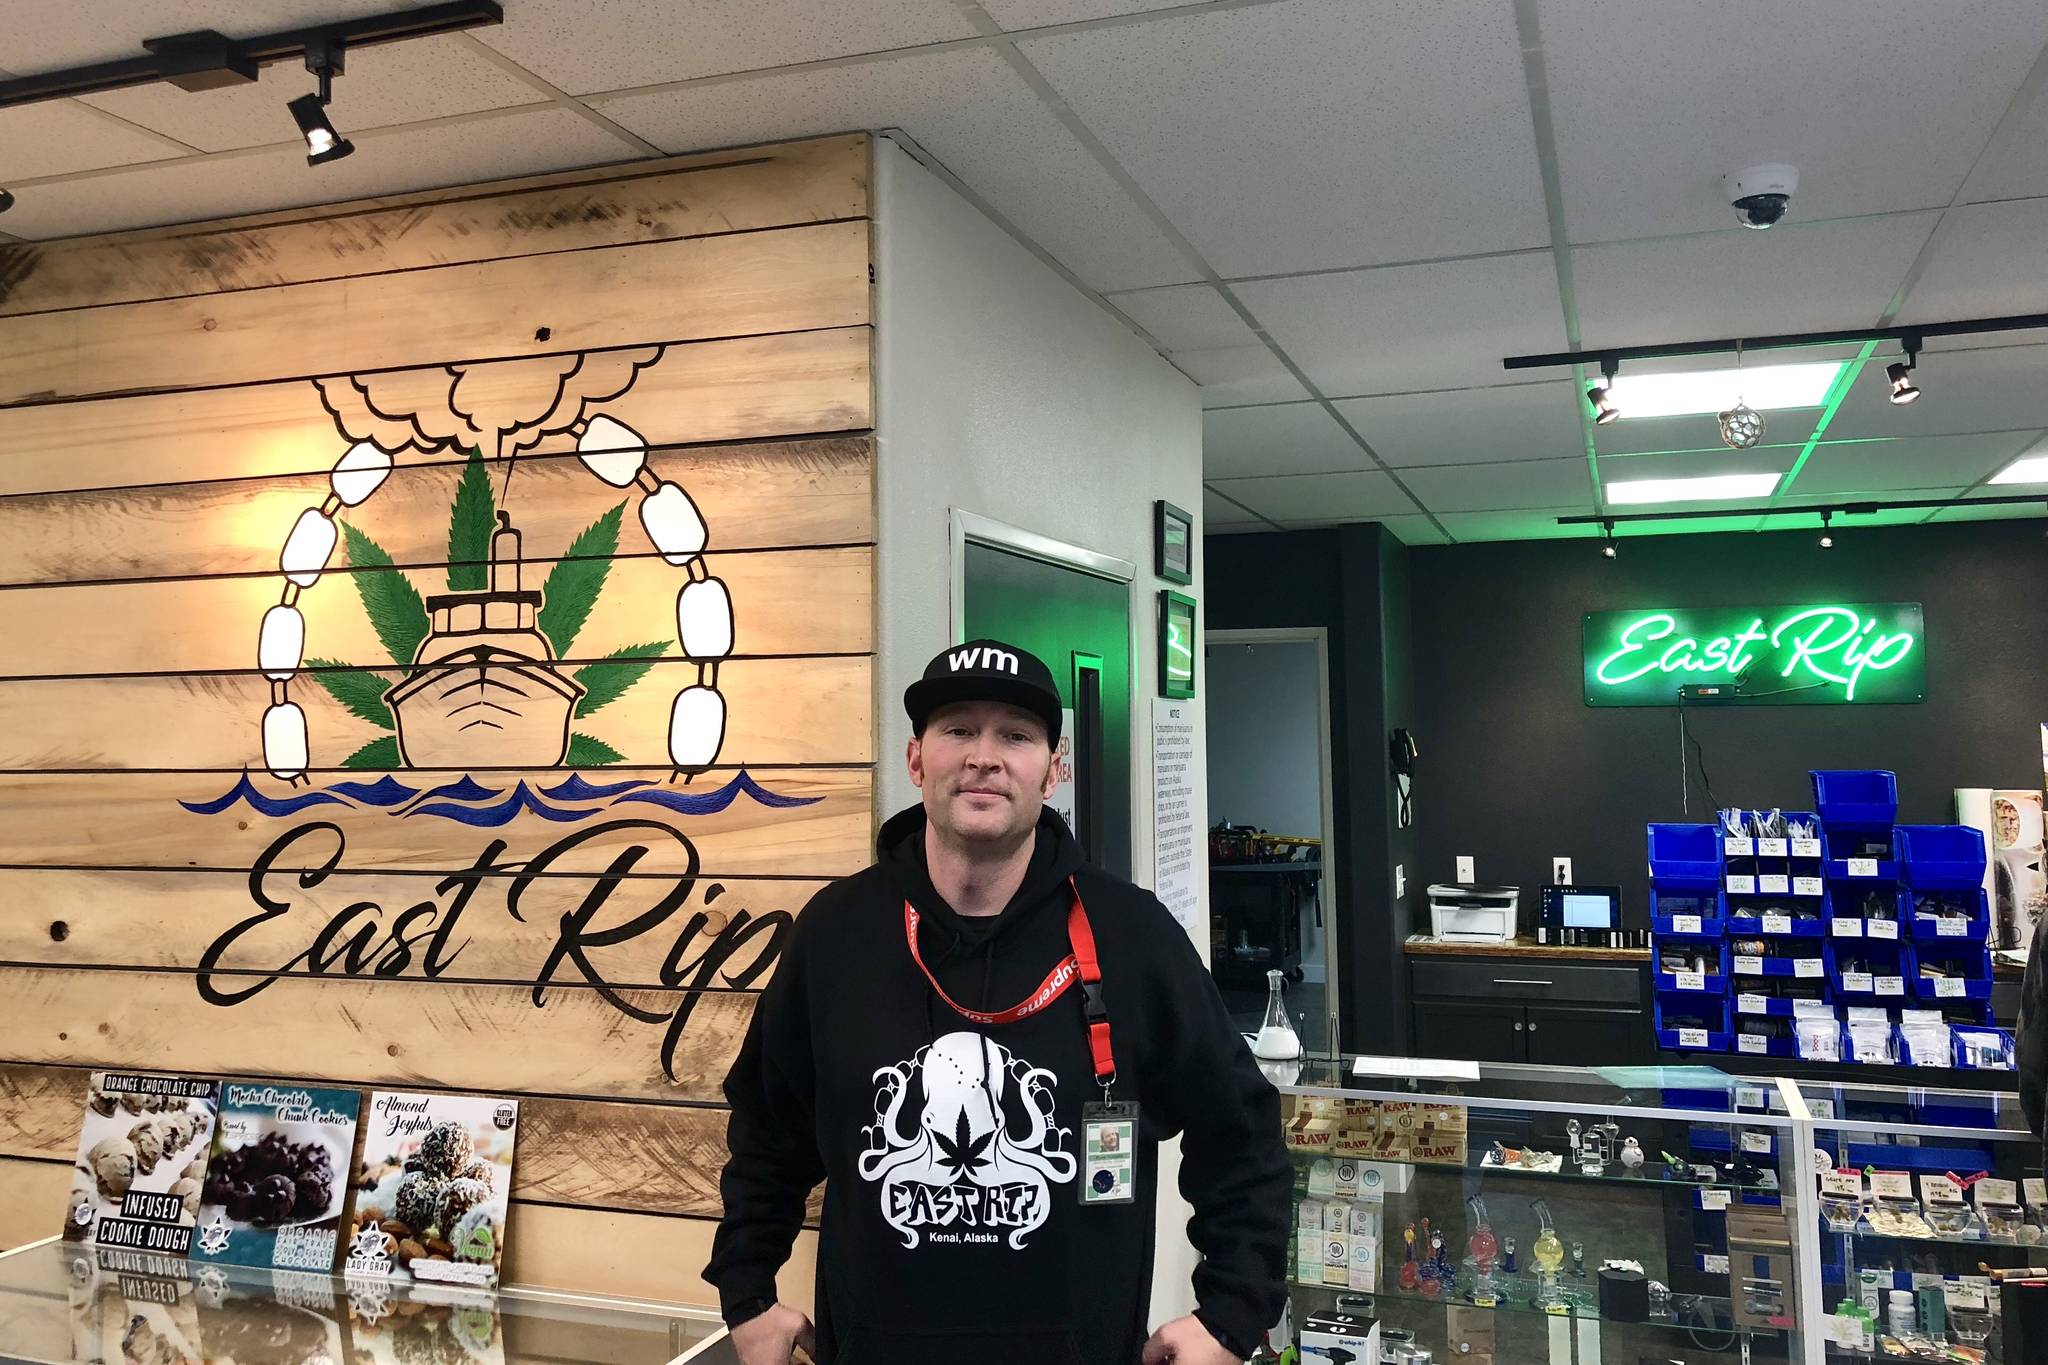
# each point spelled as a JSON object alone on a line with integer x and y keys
{"x": 1567, "y": 1035}
{"x": 1534, "y": 1008}
{"x": 1483, "y": 1032}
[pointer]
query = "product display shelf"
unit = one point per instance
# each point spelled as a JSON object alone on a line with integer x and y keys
{"x": 1704, "y": 1312}
{"x": 1688, "y": 916}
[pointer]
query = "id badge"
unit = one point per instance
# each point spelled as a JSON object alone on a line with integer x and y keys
{"x": 1109, "y": 1172}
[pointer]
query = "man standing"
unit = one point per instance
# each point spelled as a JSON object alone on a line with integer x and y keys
{"x": 978, "y": 1044}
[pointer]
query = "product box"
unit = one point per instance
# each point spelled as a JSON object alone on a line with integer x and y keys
{"x": 1340, "y": 1338}
{"x": 275, "y": 1185}
{"x": 431, "y": 1189}
{"x": 141, "y": 1161}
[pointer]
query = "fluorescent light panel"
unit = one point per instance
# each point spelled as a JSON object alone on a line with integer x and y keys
{"x": 1699, "y": 488}
{"x": 2026, "y": 469}
{"x": 1763, "y": 387}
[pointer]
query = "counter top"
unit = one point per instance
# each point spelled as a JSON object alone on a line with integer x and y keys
{"x": 1526, "y": 948}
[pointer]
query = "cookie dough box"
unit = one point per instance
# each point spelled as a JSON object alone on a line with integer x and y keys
{"x": 142, "y": 1149}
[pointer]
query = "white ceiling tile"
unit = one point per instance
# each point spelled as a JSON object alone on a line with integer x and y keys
{"x": 43, "y": 35}
{"x": 1804, "y": 279}
{"x": 1188, "y": 318}
{"x": 1221, "y": 511}
{"x": 386, "y": 84}
{"x": 1539, "y": 523}
{"x": 1415, "y": 530}
{"x": 2023, "y": 170}
{"x": 1320, "y": 497}
{"x": 968, "y": 109}
{"x": 1988, "y": 264}
{"x": 1881, "y": 104}
{"x": 1525, "y": 422}
{"x": 1320, "y": 133}
{"x": 1285, "y": 438}
{"x": 58, "y": 137}
{"x": 2001, "y": 388}
{"x": 526, "y": 143}
{"x": 1406, "y": 328}
{"x": 1016, "y": 14}
{"x": 1849, "y": 467}
{"x": 1502, "y": 487}
{"x": 1238, "y": 375}
{"x": 585, "y": 48}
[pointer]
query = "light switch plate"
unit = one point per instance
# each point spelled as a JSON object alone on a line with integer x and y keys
{"x": 1400, "y": 881}
{"x": 1465, "y": 873}
{"x": 1560, "y": 871}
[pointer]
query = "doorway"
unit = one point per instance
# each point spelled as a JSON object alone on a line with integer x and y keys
{"x": 1072, "y": 608}
{"x": 1269, "y": 770}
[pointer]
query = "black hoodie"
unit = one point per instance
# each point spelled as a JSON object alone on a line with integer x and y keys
{"x": 953, "y": 1226}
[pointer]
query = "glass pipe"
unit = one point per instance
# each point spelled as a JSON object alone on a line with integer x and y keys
{"x": 1481, "y": 1249}
{"x": 1409, "y": 1272}
{"x": 1446, "y": 1273}
{"x": 1507, "y": 1253}
{"x": 1578, "y": 1260}
{"x": 1428, "y": 1268}
{"x": 1547, "y": 1253}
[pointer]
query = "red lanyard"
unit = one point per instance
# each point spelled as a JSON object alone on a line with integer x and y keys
{"x": 1081, "y": 963}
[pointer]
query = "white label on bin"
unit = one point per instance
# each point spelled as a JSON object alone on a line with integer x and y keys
{"x": 1752, "y": 1042}
{"x": 1891, "y": 1185}
{"x": 1685, "y": 924}
{"x": 1749, "y": 966}
{"x": 1967, "y": 1296}
{"x": 1846, "y": 928}
{"x": 1948, "y": 987}
{"x": 1742, "y": 886}
{"x": 1774, "y": 884}
{"x": 1806, "y": 886}
{"x": 1806, "y": 848}
{"x": 1770, "y": 848}
{"x": 1856, "y": 981}
{"x": 1691, "y": 981}
{"x": 1692, "y": 1037}
{"x": 1863, "y": 867}
{"x": 2036, "y": 1188}
{"x": 1739, "y": 845}
{"x": 1881, "y": 928}
{"x": 1716, "y": 1264}
{"x": 1777, "y": 924}
{"x": 1939, "y": 1189}
{"x": 1951, "y": 928}
{"x": 1749, "y": 1097}
{"x": 1747, "y": 1003}
{"x": 1714, "y": 1199}
{"x": 1756, "y": 1142}
{"x": 1808, "y": 966}
{"x": 1989, "y": 1191}
{"x": 1842, "y": 1184}
{"x": 1811, "y": 1009}
{"x": 1888, "y": 985}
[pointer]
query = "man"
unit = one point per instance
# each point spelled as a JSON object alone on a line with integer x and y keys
{"x": 951, "y": 1041}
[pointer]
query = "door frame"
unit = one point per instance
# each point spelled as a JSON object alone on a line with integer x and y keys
{"x": 1319, "y": 636}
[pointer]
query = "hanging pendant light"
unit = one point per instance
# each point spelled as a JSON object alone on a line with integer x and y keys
{"x": 1742, "y": 426}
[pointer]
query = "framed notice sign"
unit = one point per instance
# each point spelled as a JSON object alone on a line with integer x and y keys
{"x": 1173, "y": 543}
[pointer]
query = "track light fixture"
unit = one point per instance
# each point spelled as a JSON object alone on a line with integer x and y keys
{"x": 1900, "y": 373}
{"x": 1827, "y": 537}
{"x": 323, "y": 142}
{"x": 1607, "y": 539}
{"x": 1604, "y": 410}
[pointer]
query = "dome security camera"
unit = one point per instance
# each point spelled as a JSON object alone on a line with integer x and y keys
{"x": 1761, "y": 194}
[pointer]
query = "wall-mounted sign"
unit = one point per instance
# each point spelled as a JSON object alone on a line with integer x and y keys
{"x": 1176, "y": 645}
{"x": 1797, "y": 655}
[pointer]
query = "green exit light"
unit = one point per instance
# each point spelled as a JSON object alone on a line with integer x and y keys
{"x": 1781, "y": 656}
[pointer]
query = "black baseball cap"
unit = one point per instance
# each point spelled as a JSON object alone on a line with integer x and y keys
{"x": 986, "y": 670}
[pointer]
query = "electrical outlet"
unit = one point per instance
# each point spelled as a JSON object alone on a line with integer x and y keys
{"x": 1560, "y": 871}
{"x": 1400, "y": 881}
{"x": 1465, "y": 873}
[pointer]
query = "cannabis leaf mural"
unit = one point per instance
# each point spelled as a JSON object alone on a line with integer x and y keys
{"x": 399, "y": 616}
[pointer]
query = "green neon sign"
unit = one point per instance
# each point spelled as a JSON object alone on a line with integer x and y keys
{"x": 1827, "y": 654}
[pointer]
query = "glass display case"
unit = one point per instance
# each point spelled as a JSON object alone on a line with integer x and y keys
{"x": 1529, "y": 1214}
{"x": 1922, "y": 1194}
{"x": 64, "y": 1302}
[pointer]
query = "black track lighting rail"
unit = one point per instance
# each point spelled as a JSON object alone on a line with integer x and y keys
{"x": 1908, "y": 337}
{"x": 1609, "y": 520}
{"x": 207, "y": 60}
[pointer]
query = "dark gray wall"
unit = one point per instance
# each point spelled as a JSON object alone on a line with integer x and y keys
{"x": 1515, "y": 767}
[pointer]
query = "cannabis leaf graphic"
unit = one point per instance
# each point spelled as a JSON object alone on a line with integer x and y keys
{"x": 399, "y": 617}
{"x": 964, "y": 1152}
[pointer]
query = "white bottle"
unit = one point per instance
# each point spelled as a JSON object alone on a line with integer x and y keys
{"x": 1899, "y": 1317}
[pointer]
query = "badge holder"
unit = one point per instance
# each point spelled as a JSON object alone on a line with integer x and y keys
{"x": 1109, "y": 1130}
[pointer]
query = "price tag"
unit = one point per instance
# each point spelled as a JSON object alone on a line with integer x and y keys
{"x": 1739, "y": 846}
{"x": 1685, "y": 924}
{"x": 1846, "y": 928}
{"x": 1748, "y": 1003}
{"x": 1856, "y": 981}
{"x": 1951, "y": 928}
{"x": 1749, "y": 1097}
{"x": 1759, "y": 1143}
{"x": 1888, "y": 985}
{"x": 1752, "y": 1042}
{"x": 1967, "y": 1296}
{"x": 1777, "y": 924}
{"x": 1948, "y": 988}
{"x": 1989, "y": 1191}
{"x": 1891, "y": 1184}
{"x": 1806, "y": 848}
{"x": 1749, "y": 966}
{"x": 1714, "y": 1200}
{"x": 1806, "y": 886}
{"x": 1741, "y": 886}
{"x": 1770, "y": 848}
{"x": 1811, "y": 1009}
{"x": 1863, "y": 867}
{"x": 1939, "y": 1189}
{"x": 1842, "y": 1184}
{"x": 1774, "y": 884}
{"x": 1690, "y": 981}
{"x": 1881, "y": 928}
{"x": 1717, "y": 1264}
{"x": 1808, "y": 967}
{"x": 2036, "y": 1190}
{"x": 1692, "y": 1037}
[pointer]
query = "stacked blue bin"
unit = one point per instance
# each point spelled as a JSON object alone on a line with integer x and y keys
{"x": 1776, "y": 893}
{"x": 1949, "y": 917}
{"x": 1688, "y": 915}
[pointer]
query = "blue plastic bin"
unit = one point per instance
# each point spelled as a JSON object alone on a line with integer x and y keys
{"x": 1941, "y": 857}
{"x": 1685, "y": 855}
{"x": 1706, "y": 906}
{"x": 1936, "y": 930}
{"x": 1860, "y": 798}
{"x": 1712, "y": 1010}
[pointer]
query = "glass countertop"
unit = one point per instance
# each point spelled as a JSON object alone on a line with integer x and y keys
{"x": 1680, "y": 1091}
{"x": 64, "y": 1302}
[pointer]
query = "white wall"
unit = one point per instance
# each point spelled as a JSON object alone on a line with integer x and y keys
{"x": 1003, "y": 391}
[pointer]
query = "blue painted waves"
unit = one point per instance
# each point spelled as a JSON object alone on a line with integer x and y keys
{"x": 470, "y": 802}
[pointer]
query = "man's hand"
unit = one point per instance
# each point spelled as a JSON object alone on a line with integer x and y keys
{"x": 1184, "y": 1341}
{"x": 770, "y": 1337}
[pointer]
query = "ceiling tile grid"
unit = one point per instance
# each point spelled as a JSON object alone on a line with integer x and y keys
{"x": 1295, "y": 498}
{"x": 1471, "y": 426}
{"x": 62, "y": 138}
{"x": 1501, "y": 487}
{"x": 1283, "y": 438}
